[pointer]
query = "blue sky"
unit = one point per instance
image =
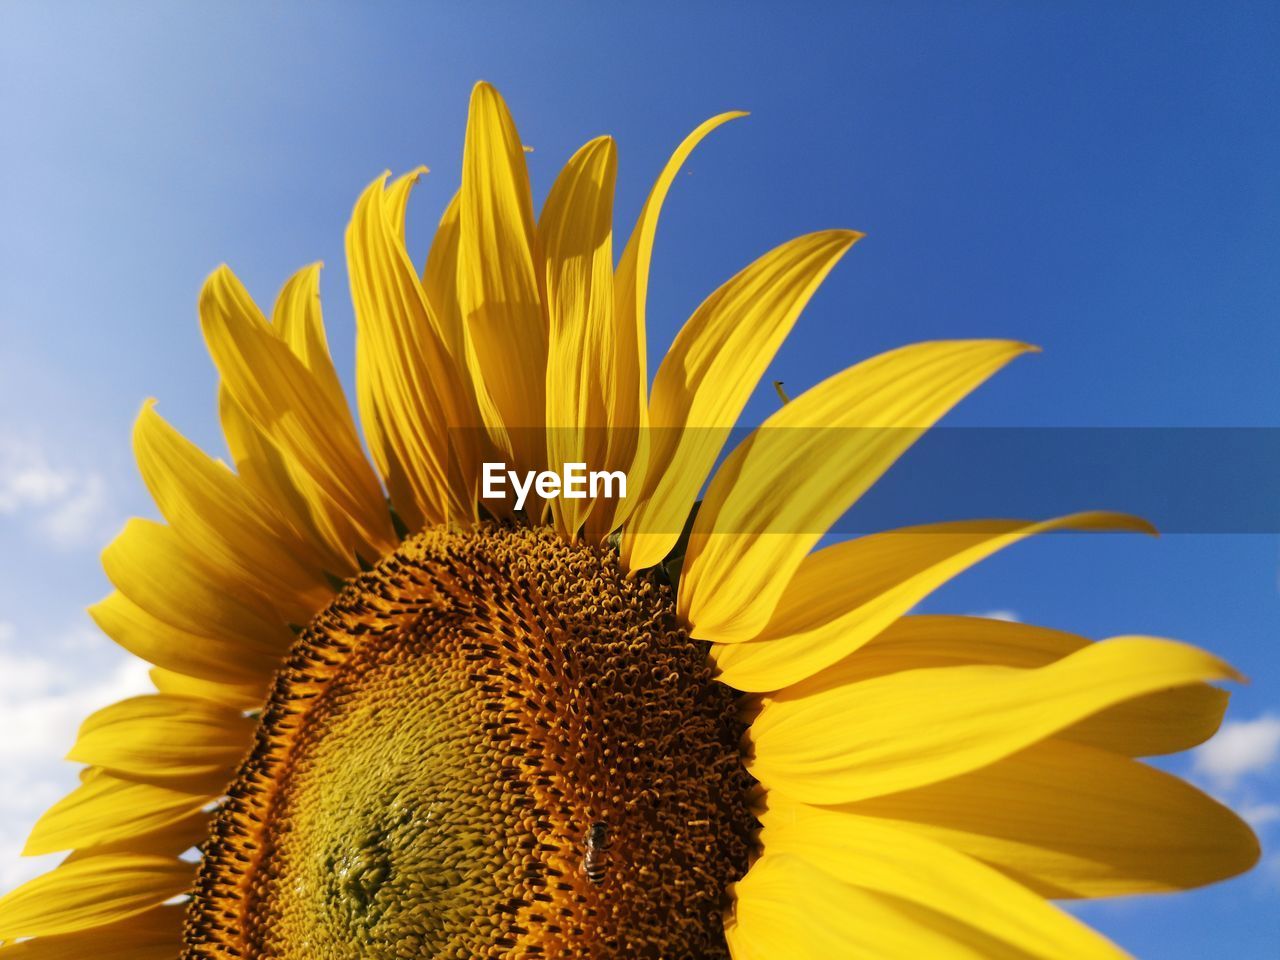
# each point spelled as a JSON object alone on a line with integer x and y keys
{"x": 1100, "y": 179}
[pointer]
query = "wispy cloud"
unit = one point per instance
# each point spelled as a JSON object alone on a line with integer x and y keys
{"x": 67, "y": 507}
{"x": 51, "y": 684}
{"x": 1241, "y": 748}
{"x": 27, "y": 479}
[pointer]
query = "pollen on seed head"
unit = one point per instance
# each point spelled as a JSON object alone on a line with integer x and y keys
{"x": 491, "y": 745}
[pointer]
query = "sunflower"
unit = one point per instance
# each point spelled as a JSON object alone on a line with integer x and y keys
{"x": 397, "y": 717}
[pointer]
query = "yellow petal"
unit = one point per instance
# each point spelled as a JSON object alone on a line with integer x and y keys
{"x": 90, "y": 893}
{"x": 897, "y": 732}
{"x": 944, "y": 640}
{"x": 164, "y": 736}
{"x": 314, "y": 433}
{"x": 787, "y": 907}
{"x": 440, "y": 281}
{"x": 844, "y": 595}
{"x": 155, "y": 934}
{"x": 410, "y": 386}
{"x": 170, "y": 840}
{"x": 1164, "y": 722}
{"x": 1074, "y": 821}
{"x": 707, "y": 377}
{"x": 591, "y": 415}
{"x": 498, "y": 283}
{"x": 872, "y": 855}
{"x": 631, "y": 291}
{"x": 221, "y": 659}
{"x": 151, "y": 565}
{"x": 240, "y": 696}
{"x": 106, "y": 809}
{"x": 783, "y": 487}
{"x": 1159, "y": 723}
{"x": 230, "y": 527}
{"x": 298, "y": 318}
{"x": 262, "y": 467}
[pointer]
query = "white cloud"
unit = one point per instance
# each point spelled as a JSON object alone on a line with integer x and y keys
{"x": 1239, "y": 749}
{"x": 27, "y": 479}
{"x": 48, "y": 688}
{"x": 66, "y": 506}
{"x": 42, "y": 701}
{"x": 1009, "y": 615}
{"x": 1259, "y": 814}
{"x": 81, "y": 515}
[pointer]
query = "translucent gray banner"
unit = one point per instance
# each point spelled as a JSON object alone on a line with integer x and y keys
{"x": 1181, "y": 479}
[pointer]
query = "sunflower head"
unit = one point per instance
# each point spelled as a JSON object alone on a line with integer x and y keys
{"x": 516, "y": 744}
{"x": 398, "y": 714}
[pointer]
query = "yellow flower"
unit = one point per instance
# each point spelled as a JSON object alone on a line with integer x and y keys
{"x": 397, "y": 721}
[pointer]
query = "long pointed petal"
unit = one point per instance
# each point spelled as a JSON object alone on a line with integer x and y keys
{"x": 631, "y": 292}
{"x": 159, "y": 737}
{"x": 220, "y": 658}
{"x": 410, "y": 386}
{"x": 1073, "y": 821}
{"x": 225, "y": 521}
{"x": 901, "y": 731}
{"x": 262, "y": 467}
{"x": 1163, "y": 722}
{"x": 844, "y": 595}
{"x": 499, "y": 289}
{"x": 315, "y": 433}
{"x": 90, "y": 893}
{"x": 874, "y": 856}
{"x": 106, "y": 809}
{"x": 707, "y": 377}
{"x": 782, "y": 488}
{"x": 153, "y": 935}
{"x": 586, "y": 400}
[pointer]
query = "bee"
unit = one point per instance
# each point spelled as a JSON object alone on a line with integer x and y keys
{"x": 596, "y": 859}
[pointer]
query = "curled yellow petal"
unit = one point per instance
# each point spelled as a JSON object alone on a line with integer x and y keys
{"x": 229, "y": 525}
{"x": 783, "y": 487}
{"x": 901, "y": 731}
{"x": 844, "y": 595}
{"x": 313, "y": 431}
{"x": 440, "y": 282}
{"x": 631, "y": 291}
{"x": 105, "y": 809}
{"x": 1073, "y": 821}
{"x": 163, "y": 736}
{"x": 298, "y": 318}
{"x": 412, "y": 391}
{"x": 90, "y": 893}
{"x": 220, "y": 658}
{"x": 1167, "y": 721}
{"x": 150, "y": 564}
{"x": 1162, "y": 722}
